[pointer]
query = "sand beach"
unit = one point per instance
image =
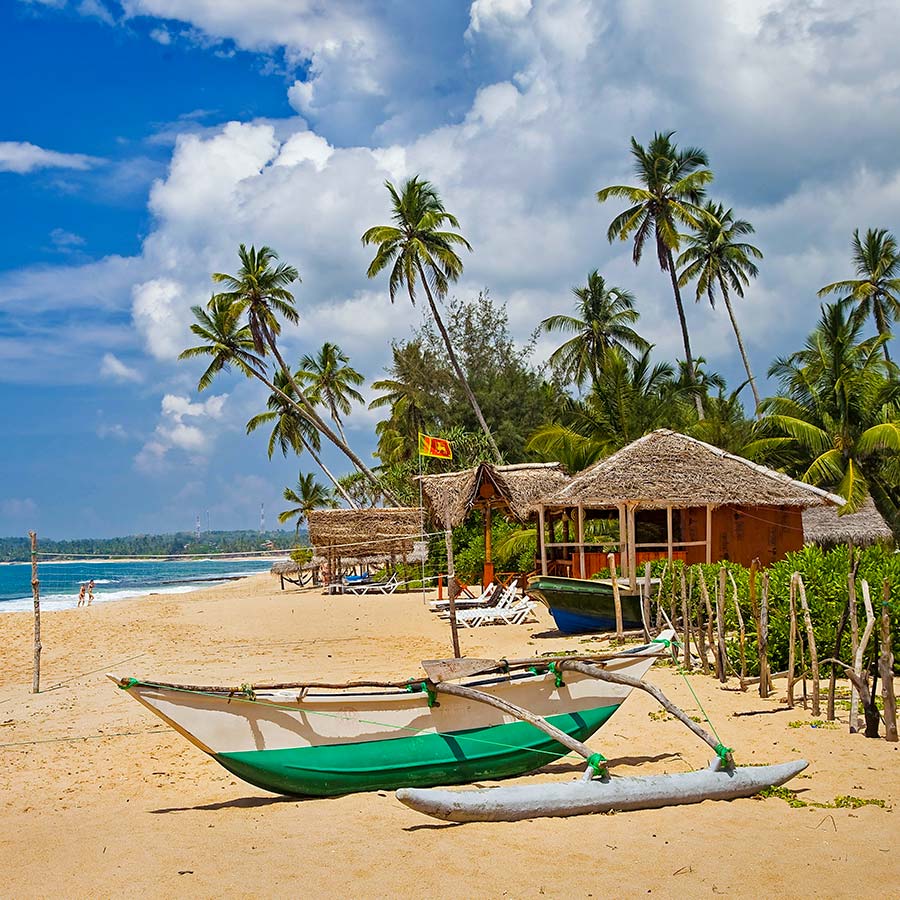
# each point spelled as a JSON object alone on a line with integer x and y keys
{"x": 99, "y": 798}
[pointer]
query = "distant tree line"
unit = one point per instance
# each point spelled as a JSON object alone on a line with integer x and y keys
{"x": 14, "y": 549}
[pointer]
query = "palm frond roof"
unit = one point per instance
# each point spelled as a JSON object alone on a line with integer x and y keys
{"x": 451, "y": 496}
{"x": 665, "y": 468}
{"x": 365, "y": 533}
{"x": 826, "y": 527}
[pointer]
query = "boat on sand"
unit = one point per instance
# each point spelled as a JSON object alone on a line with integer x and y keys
{"x": 583, "y": 604}
{"x": 326, "y": 740}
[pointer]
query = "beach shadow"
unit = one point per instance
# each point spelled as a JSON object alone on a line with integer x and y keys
{"x": 237, "y": 803}
{"x": 434, "y": 827}
{"x": 763, "y": 712}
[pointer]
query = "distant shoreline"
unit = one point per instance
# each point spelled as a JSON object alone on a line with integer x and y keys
{"x": 274, "y": 555}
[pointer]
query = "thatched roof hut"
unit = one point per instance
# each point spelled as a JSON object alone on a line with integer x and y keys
{"x": 451, "y": 496}
{"x": 365, "y": 533}
{"x": 678, "y": 498}
{"x": 825, "y": 527}
{"x": 665, "y": 468}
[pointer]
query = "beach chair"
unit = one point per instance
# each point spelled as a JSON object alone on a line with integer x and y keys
{"x": 487, "y": 597}
{"x": 374, "y": 587}
{"x": 512, "y": 614}
{"x": 472, "y": 618}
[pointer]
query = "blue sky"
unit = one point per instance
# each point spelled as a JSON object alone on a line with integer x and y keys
{"x": 144, "y": 139}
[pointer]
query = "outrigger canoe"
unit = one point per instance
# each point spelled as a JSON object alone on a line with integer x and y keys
{"x": 583, "y": 604}
{"x": 325, "y": 741}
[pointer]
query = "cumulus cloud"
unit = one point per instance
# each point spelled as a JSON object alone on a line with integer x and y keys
{"x": 112, "y": 367}
{"x": 160, "y": 316}
{"x": 23, "y": 157}
{"x": 183, "y": 425}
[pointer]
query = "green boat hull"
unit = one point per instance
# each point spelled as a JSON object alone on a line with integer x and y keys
{"x": 423, "y": 760}
{"x": 579, "y": 604}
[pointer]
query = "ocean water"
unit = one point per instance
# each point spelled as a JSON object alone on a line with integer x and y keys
{"x": 61, "y": 581}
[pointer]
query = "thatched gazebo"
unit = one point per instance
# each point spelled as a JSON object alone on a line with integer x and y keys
{"x": 365, "y": 537}
{"x": 676, "y": 497}
{"x": 452, "y": 496}
{"x": 825, "y": 527}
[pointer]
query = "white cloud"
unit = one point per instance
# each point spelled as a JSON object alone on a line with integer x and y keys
{"x": 160, "y": 316}
{"x": 95, "y": 9}
{"x": 22, "y": 157}
{"x": 116, "y": 431}
{"x": 174, "y": 433}
{"x": 161, "y": 35}
{"x": 112, "y": 367}
{"x": 66, "y": 240}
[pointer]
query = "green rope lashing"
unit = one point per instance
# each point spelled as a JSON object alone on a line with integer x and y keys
{"x": 127, "y": 683}
{"x": 595, "y": 761}
{"x": 553, "y": 669}
{"x": 423, "y": 687}
{"x": 723, "y": 752}
{"x": 247, "y": 691}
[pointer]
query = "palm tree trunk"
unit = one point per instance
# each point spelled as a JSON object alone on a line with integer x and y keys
{"x": 882, "y": 326}
{"x": 337, "y": 421}
{"x": 309, "y": 410}
{"x": 688, "y": 356}
{"x": 743, "y": 352}
{"x": 458, "y": 369}
{"x": 317, "y": 460}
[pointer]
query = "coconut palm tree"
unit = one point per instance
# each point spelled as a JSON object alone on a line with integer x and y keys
{"x": 603, "y": 319}
{"x": 836, "y": 423}
{"x": 632, "y": 397}
{"x": 877, "y": 291}
{"x": 331, "y": 380}
{"x": 259, "y": 290}
{"x": 720, "y": 262}
{"x": 291, "y": 430}
{"x": 671, "y": 186}
{"x": 307, "y": 495}
{"x": 419, "y": 251}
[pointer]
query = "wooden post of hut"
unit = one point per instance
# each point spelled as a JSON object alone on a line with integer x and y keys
{"x": 542, "y": 544}
{"x": 36, "y": 593}
{"x": 617, "y": 599}
{"x": 645, "y": 602}
{"x": 887, "y": 667}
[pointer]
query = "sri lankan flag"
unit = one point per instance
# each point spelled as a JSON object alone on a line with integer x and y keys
{"x": 432, "y": 446}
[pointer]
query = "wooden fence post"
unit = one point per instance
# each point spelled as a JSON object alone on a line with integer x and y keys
{"x": 763, "y": 636}
{"x": 792, "y": 640}
{"x": 811, "y": 641}
{"x": 686, "y": 624}
{"x": 720, "y": 626}
{"x": 36, "y": 593}
{"x": 452, "y": 591}
{"x": 708, "y": 637}
{"x": 832, "y": 678}
{"x": 741, "y": 630}
{"x": 617, "y": 600}
{"x": 887, "y": 667}
{"x": 645, "y": 602}
{"x": 854, "y": 643}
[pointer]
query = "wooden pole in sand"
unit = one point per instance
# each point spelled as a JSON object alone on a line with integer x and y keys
{"x": 762, "y": 632}
{"x": 645, "y": 602}
{"x": 832, "y": 678}
{"x": 452, "y": 591}
{"x": 36, "y": 592}
{"x": 860, "y": 653}
{"x": 617, "y": 600}
{"x": 854, "y": 643}
{"x": 722, "y": 657}
{"x": 792, "y": 641}
{"x": 887, "y": 667}
{"x": 686, "y": 624}
{"x": 811, "y": 642}
{"x": 741, "y": 630}
{"x": 704, "y": 593}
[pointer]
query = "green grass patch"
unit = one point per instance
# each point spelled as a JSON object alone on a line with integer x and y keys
{"x": 842, "y": 802}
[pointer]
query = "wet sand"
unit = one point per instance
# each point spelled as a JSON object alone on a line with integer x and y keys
{"x": 107, "y": 801}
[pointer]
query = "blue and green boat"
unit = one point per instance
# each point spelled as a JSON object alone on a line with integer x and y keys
{"x": 579, "y": 605}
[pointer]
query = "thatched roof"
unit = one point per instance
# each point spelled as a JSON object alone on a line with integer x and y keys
{"x": 452, "y": 495}
{"x": 824, "y": 526}
{"x": 364, "y": 533}
{"x": 666, "y": 468}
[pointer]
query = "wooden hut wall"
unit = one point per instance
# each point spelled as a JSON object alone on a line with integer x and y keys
{"x": 742, "y": 533}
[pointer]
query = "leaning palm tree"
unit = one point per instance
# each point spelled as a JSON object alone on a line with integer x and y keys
{"x": 836, "y": 423}
{"x": 721, "y": 262}
{"x": 603, "y": 319}
{"x": 877, "y": 291}
{"x": 292, "y": 431}
{"x": 331, "y": 380}
{"x": 307, "y": 495}
{"x": 420, "y": 251}
{"x": 259, "y": 290}
{"x": 671, "y": 186}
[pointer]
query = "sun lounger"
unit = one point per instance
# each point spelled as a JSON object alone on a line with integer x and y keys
{"x": 487, "y": 597}
{"x": 374, "y": 587}
{"x": 471, "y": 618}
{"x": 514, "y": 614}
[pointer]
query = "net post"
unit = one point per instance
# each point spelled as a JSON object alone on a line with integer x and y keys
{"x": 36, "y": 593}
